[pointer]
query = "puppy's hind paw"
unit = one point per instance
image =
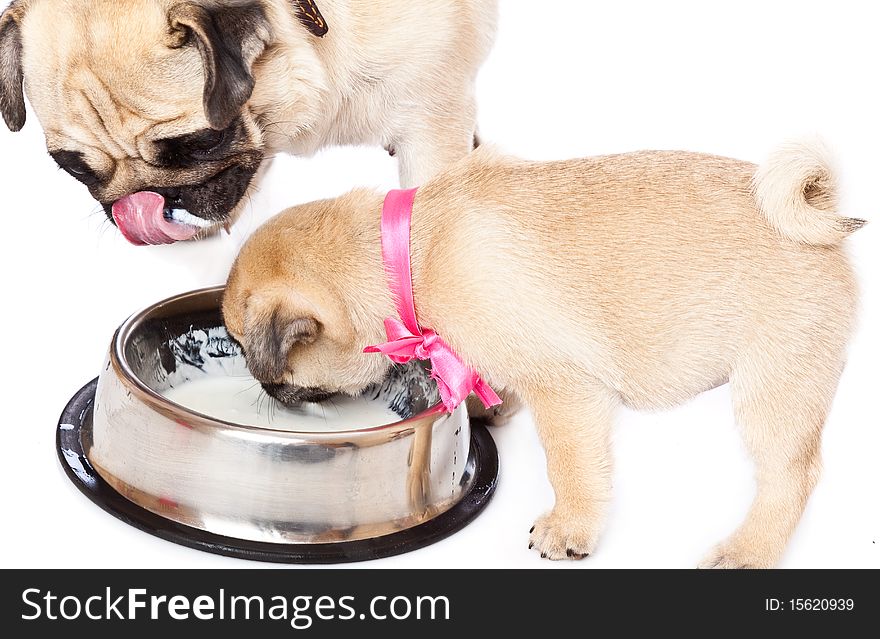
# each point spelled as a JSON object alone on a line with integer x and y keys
{"x": 564, "y": 536}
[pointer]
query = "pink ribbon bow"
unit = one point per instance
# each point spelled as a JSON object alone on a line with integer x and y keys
{"x": 406, "y": 339}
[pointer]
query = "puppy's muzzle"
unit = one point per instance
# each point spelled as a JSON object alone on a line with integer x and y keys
{"x": 163, "y": 215}
{"x": 292, "y": 395}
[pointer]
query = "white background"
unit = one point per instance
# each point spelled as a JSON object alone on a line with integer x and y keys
{"x": 565, "y": 79}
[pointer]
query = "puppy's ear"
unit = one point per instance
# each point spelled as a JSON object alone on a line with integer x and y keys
{"x": 308, "y": 13}
{"x": 269, "y": 338}
{"x": 230, "y": 36}
{"x": 11, "y": 72}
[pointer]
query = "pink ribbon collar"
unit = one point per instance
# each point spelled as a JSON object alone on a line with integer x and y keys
{"x": 406, "y": 339}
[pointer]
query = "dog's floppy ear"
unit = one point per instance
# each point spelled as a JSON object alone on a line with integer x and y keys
{"x": 308, "y": 13}
{"x": 269, "y": 338}
{"x": 11, "y": 72}
{"x": 230, "y": 36}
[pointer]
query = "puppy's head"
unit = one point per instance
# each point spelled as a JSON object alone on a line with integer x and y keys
{"x": 145, "y": 102}
{"x": 304, "y": 297}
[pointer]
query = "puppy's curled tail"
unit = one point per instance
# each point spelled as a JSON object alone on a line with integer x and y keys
{"x": 796, "y": 191}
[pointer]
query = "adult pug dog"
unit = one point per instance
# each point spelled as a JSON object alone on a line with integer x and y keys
{"x": 638, "y": 280}
{"x": 165, "y": 109}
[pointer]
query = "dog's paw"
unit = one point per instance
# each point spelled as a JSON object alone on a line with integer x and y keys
{"x": 559, "y": 535}
{"x": 736, "y": 555}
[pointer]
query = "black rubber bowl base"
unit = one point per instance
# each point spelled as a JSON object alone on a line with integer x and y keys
{"x": 77, "y": 415}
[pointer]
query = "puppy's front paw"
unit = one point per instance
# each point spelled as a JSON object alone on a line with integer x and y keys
{"x": 737, "y": 554}
{"x": 559, "y": 535}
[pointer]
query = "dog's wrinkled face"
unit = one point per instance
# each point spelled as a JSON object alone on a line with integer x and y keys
{"x": 293, "y": 309}
{"x": 144, "y": 102}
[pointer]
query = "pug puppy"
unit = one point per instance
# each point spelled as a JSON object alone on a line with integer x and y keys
{"x": 639, "y": 280}
{"x": 165, "y": 109}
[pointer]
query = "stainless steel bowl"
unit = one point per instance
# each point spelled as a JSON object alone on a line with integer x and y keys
{"x": 260, "y": 484}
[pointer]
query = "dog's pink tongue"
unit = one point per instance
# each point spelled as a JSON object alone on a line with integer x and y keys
{"x": 141, "y": 220}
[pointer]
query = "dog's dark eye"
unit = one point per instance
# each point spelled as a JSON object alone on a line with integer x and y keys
{"x": 75, "y": 165}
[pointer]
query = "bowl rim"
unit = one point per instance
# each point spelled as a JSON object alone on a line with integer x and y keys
{"x": 193, "y": 418}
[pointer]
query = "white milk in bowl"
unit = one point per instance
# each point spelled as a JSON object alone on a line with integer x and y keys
{"x": 241, "y": 400}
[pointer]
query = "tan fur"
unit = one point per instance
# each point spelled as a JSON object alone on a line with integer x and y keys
{"x": 806, "y": 212}
{"x": 104, "y": 81}
{"x": 638, "y": 280}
